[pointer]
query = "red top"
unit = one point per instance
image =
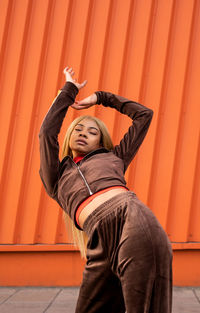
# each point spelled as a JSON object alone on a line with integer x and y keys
{"x": 78, "y": 158}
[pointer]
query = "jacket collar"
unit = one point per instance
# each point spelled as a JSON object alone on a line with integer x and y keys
{"x": 87, "y": 156}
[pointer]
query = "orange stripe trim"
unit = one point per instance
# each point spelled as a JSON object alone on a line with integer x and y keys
{"x": 89, "y": 199}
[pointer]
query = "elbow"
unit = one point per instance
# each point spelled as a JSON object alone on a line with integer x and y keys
{"x": 149, "y": 114}
{"x": 43, "y": 131}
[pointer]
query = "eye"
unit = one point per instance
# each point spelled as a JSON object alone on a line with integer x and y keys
{"x": 93, "y": 133}
{"x": 77, "y": 129}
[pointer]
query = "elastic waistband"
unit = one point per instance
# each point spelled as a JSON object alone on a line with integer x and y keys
{"x": 89, "y": 199}
{"x": 105, "y": 209}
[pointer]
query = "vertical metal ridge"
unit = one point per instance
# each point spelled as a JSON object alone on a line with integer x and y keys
{"x": 4, "y": 5}
{"x": 147, "y": 55}
{"x": 85, "y": 41}
{"x": 84, "y": 47}
{"x": 193, "y": 233}
{"x": 180, "y": 133}
{"x": 127, "y": 43}
{"x": 153, "y": 175}
{"x": 17, "y": 96}
{"x": 64, "y": 43}
{"x": 123, "y": 72}
{"x": 104, "y": 56}
{"x": 12, "y": 125}
{"x": 193, "y": 224}
{"x": 104, "y": 61}
{"x": 5, "y": 36}
{"x": 143, "y": 81}
{"x": 38, "y": 88}
{"x": 3, "y": 50}
{"x": 6, "y": 29}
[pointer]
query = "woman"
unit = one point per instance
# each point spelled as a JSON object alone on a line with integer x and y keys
{"x": 129, "y": 256}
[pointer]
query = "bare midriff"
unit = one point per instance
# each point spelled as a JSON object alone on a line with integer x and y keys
{"x": 88, "y": 206}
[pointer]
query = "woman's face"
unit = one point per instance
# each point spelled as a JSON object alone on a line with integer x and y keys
{"x": 85, "y": 137}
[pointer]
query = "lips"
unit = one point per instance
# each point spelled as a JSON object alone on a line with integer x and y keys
{"x": 81, "y": 142}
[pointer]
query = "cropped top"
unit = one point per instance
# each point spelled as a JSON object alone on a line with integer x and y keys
{"x": 69, "y": 183}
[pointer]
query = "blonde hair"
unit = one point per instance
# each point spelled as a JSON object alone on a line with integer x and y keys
{"x": 105, "y": 140}
{"x": 79, "y": 237}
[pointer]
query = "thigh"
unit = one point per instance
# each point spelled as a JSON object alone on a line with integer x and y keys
{"x": 100, "y": 289}
{"x": 136, "y": 267}
{"x": 144, "y": 262}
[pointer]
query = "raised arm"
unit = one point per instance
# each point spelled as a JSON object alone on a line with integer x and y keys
{"x": 141, "y": 117}
{"x": 50, "y": 128}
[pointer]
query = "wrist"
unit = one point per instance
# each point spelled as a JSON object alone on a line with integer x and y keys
{"x": 70, "y": 87}
{"x": 98, "y": 97}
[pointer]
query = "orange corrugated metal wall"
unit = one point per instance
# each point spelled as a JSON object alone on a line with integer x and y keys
{"x": 145, "y": 50}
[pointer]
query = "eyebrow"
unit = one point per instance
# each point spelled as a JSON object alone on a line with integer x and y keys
{"x": 91, "y": 127}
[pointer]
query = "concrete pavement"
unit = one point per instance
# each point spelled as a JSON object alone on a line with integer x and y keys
{"x": 63, "y": 300}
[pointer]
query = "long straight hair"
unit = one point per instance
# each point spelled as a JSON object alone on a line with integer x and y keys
{"x": 79, "y": 237}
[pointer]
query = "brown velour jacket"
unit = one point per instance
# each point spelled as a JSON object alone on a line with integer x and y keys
{"x": 70, "y": 183}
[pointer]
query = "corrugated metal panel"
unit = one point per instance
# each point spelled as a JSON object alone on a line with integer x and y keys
{"x": 146, "y": 50}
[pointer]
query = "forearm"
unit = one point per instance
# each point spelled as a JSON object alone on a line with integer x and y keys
{"x": 141, "y": 118}
{"x": 123, "y": 105}
{"x": 54, "y": 117}
{"x": 48, "y": 137}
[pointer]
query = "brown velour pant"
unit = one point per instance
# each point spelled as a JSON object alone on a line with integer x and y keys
{"x": 129, "y": 260}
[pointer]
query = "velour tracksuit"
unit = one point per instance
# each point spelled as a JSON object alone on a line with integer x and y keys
{"x": 129, "y": 256}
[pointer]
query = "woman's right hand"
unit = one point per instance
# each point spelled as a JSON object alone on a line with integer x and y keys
{"x": 68, "y": 72}
{"x": 85, "y": 103}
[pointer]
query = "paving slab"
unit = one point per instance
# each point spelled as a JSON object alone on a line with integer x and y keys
{"x": 63, "y": 300}
{"x": 34, "y": 295}
{"x": 185, "y": 300}
{"x": 6, "y": 293}
{"x": 28, "y": 300}
{"x": 10, "y": 308}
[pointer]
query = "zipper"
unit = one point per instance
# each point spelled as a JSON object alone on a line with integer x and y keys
{"x": 85, "y": 181}
{"x": 83, "y": 177}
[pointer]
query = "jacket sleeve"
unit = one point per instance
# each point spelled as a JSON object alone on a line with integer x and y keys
{"x": 48, "y": 138}
{"x": 141, "y": 117}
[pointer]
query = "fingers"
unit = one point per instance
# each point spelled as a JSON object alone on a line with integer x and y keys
{"x": 69, "y": 73}
{"x": 83, "y": 84}
{"x": 69, "y": 70}
{"x": 77, "y": 106}
{"x": 65, "y": 69}
{"x": 80, "y": 106}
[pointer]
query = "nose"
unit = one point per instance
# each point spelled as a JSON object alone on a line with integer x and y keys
{"x": 82, "y": 134}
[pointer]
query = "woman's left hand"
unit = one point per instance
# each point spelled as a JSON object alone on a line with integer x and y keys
{"x": 69, "y": 73}
{"x": 85, "y": 103}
